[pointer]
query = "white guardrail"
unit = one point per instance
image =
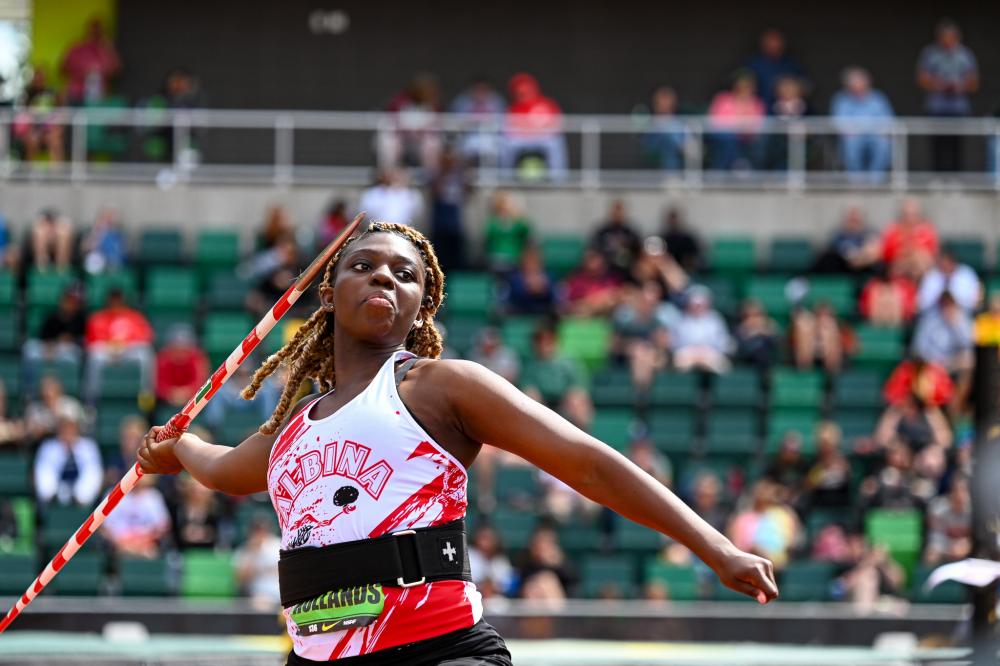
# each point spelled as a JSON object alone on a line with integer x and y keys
{"x": 214, "y": 145}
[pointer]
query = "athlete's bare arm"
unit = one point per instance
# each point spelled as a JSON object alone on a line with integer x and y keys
{"x": 492, "y": 411}
{"x": 234, "y": 470}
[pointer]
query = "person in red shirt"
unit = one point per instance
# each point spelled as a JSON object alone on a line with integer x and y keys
{"x": 915, "y": 376}
{"x": 592, "y": 290}
{"x": 116, "y": 334}
{"x": 533, "y": 126}
{"x": 181, "y": 367}
{"x": 90, "y": 64}
{"x": 911, "y": 242}
{"x": 889, "y": 298}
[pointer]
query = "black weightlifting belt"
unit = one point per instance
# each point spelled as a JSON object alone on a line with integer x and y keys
{"x": 401, "y": 559}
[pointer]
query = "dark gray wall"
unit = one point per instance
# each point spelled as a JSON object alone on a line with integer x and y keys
{"x": 591, "y": 56}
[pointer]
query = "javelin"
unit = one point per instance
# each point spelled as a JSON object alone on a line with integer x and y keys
{"x": 180, "y": 421}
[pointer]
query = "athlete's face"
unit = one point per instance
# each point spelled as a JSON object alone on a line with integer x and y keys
{"x": 377, "y": 289}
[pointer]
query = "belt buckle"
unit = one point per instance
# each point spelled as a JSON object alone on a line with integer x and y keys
{"x": 399, "y": 581}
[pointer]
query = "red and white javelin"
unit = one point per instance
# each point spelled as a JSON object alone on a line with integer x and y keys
{"x": 180, "y": 422}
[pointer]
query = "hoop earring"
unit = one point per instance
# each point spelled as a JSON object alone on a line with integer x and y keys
{"x": 327, "y": 308}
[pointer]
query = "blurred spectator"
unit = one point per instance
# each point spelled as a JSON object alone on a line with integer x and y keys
{"x": 874, "y": 578}
{"x": 131, "y": 431}
{"x": 888, "y": 299}
{"x": 257, "y": 563}
{"x": 766, "y": 526}
{"x": 68, "y": 467}
{"x": 736, "y": 117}
{"x": 664, "y": 139}
{"x": 493, "y": 354}
{"x": 948, "y": 72}
{"x": 592, "y": 290}
{"x": 756, "y": 336}
{"x": 819, "y": 338}
{"x": 52, "y": 241}
{"x": 545, "y": 556}
{"x": 682, "y": 245}
{"x": 491, "y": 569}
{"x": 944, "y": 336}
{"x": 893, "y": 486}
{"x": 530, "y": 289}
{"x": 642, "y": 324}
{"x": 8, "y": 248}
{"x": 913, "y": 424}
{"x": 12, "y": 430}
{"x": 181, "y": 367}
{"x": 701, "y": 340}
{"x": 861, "y": 114}
{"x": 911, "y": 242}
{"x": 450, "y": 185}
{"x": 271, "y": 272}
{"x": 789, "y": 105}
{"x": 707, "y": 500}
{"x": 646, "y": 457}
{"x": 832, "y": 544}
{"x": 334, "y": 221}
{"x": 948, "y": 275}
{"x": 533, "y": 127}
{"x": 854, "y": 248}
{"x": 42, "y": 416}
{"x": 228, "y": 401}
{"x": 929, "y": 382}
{"x": 36, "y": 126}
{"x": 103, "y": 248}
{"x": 788, "y": 468}
{"x": 140, "y": 521}
{"x": 987, "y": 325}
{"x": 117, "y": 334}
{"x": 61, "y": 335}
{"x": 89, "y": 66}
{"x": 180, "y": 90}
{"x": 771, "y": 64}
{"x": 199, "y": 516}
{"x": 391, "y": 199}
{"x": 828, "y": 481}
{"x": 949, "y": 524}
{"x": 617, "y": 240}
{"x": 556, "y": 381}
{"x": 482, "y": 108}
{"x": 508, "y": 231}
{"x": 278, "y": 226}
{"x": 414, "y": 137}
{"x": 654, "y": 265}
{"x": 8, "y": 524}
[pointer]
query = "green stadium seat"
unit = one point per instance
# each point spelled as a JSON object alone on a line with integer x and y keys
{"x": 681, "y": 582}
{"x": 227, "y": 291}
{"x": 585, "y": 340}
{"x": 948, "y": 592}
{"x": 740, "y": 387}
{"x": 144, "y": 578}
{"x": 633, "y": 537}
{"x": 725, "y": 297}
{"x": 720, "y": 592}
{"x": 59, "y": 523}
{"x": 806, "y": 581}
{"x": 98, "y": 286}
{"x": 612, "y": 387}
{"x": 8, "y": 290}
{"x": 733, "y": 254}
{"x": 608, "y": 575}
{"x": 461, "y": 332}
{"x": 24, "y": 516}
{"x": 121, "y": 380}
{"x": 899, "y": 530}
{"x": 67, "y": 372}
{"x": 516, "y": 485}
{"x": 515, "y": 527}
{"x": 731, "y": 431}
{"x": 171, "y": 289}
{"x": 857, "y": 388}
{"x": 681, "y": 389}
{"x": 237, "y": 426}
{"x": 224, "y": 331}
{"x": 82, "y": 576}
{"x": 613, "y": 426}
{"x": 672, "y": 430}
{"x": 15, "y": 474}
{"x": 110, "y": 414}
{"x": 993, "y": 286}
{"x": 878, "y": 347}
{"x": 17, "y": 573}
{"x": 820, "y": 517}
{"x": 562, "y": 253}
{"x": 770, "y": 292}
{"x": 160, "y": 246}
{"x": 836, "y": 291}
{"x": 216, "y": 249}
{"x": 790, "y": 254}
{"x": 251, "y": 509}
{"x": 208, "y": 574}
{"x": 45, "y": 288}
{"x": 469, "y": 294}
{"x": 577, "y": 537}
{"x": 857, "y": 422}
{"x": 10, "y": 377}
{"x": 968, "y": 251}
{"x": 10, "y": 333}
{"x": 782, "y": 421}
{"x": 791, "y": 388}
{"x": 516, "y": 333}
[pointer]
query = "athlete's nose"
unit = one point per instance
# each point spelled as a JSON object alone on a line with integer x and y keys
{"x": 382, "y": 276}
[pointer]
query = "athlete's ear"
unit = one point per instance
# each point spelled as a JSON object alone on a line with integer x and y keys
{"x": 326, "y": 297}
{"x": 418, "y": 323}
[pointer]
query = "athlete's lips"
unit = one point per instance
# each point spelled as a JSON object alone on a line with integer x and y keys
{"x": 380, "y": 298}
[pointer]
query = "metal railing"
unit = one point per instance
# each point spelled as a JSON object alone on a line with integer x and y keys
{"x": 332, "y": 147}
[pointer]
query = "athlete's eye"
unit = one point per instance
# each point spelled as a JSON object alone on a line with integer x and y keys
{"x": 405, "y": 275}
{"x": 359, "y": 266}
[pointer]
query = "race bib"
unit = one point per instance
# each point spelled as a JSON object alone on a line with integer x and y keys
{"x": 349, "y": 608}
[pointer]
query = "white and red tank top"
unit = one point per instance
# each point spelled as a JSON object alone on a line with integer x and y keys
{"x": 366, "y": 470}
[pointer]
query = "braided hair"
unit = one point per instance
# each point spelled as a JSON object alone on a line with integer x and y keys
{"x": 309, "y": 354}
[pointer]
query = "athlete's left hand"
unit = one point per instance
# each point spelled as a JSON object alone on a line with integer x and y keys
{"x": 747, "y": 573}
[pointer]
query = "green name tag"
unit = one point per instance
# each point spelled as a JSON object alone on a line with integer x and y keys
{"x": 348, "y": 608}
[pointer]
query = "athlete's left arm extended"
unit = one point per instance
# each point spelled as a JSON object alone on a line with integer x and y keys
{"x": 492, "y": 411}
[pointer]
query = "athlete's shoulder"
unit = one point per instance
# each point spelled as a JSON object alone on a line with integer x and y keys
{"x": 449, "y": 369}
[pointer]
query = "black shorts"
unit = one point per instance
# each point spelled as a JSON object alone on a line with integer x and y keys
{"x": 479, "y": 645}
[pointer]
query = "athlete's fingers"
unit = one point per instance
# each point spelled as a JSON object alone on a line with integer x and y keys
{"x": 761, "y": 578}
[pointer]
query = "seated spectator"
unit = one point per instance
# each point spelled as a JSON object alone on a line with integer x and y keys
{"x": 788, "y": 468}
{"x": 181, "y": 367}
{"x": 449, "y": 185}
{"x": 913, "y": 424}
{"x": 833, "y": 544}
{"x": 257, "y": 563}
{"x": 131, "y": 432}
{"x": 875, "y": 578}
{"x": 789, "y": 105}
{"x": 772, "y": 63}
{"x": 654, "y": 265}
{"x": 910, "y": 244}
{"x": 766, "y": 526}
{"x": 228, "y": 399}
{"x": 944, "y": 336}
{"x": 104, "y": 247}
{"x": 545, "y": 558}
{"x": 593, "y": 289}
{"x": 529, "y": 290}
{"x": 533, "y": 126}
{"x": 491, "y": 569}
{"x": 140, "y": 521}
{"x": 116, "y": 334}
{"x": 854, "y": 248}
{"x": 646, "y": 457}
{"x": 199, "y": 522}
{"x": 42, "y": 416}
{"x": 8, "y": 248}
{"x": 947, "y": 275}
{"x": 664, "y": 139}
{"x": 483, "y": 109}
{"x": 61, "y": 335}
{"x": 271, "y": 272}
{"x": 986, "y": 329}
{"x": 949, "y": 524}
{"x": 818, "y": 338}
{"x": 68, "y": 467}
{"x": 414, "y": 136}
{"x": 89, "y": 65}
{"x": 491, "y": 353}
{"x": 334, "y": 221}
{"x": 641, "y": 339}
{"x": 681, "y": 243}
{"x": 508, "y": 233}
{"x": 278, "y": 226}
{"x": 617, "y": 240}
{"x": 888, "y": 299}
{"x": 708, "y": 502}
{"x": 392, "y": 199}
{"x": 12, "y": 430}
{"x": 914, "y": 376}
{"x": 756, "y": 336}
{"x": 52, "y": 241}
{"x": 861, "y": 115}
{"x": 700, "y": 340}
{"x": 555, "y": 381}
{"x": 892, "y": 486}
{"x": 828, "y": 481}
{"x": 37, "y": 127}
{"x": 735, "y": 118}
